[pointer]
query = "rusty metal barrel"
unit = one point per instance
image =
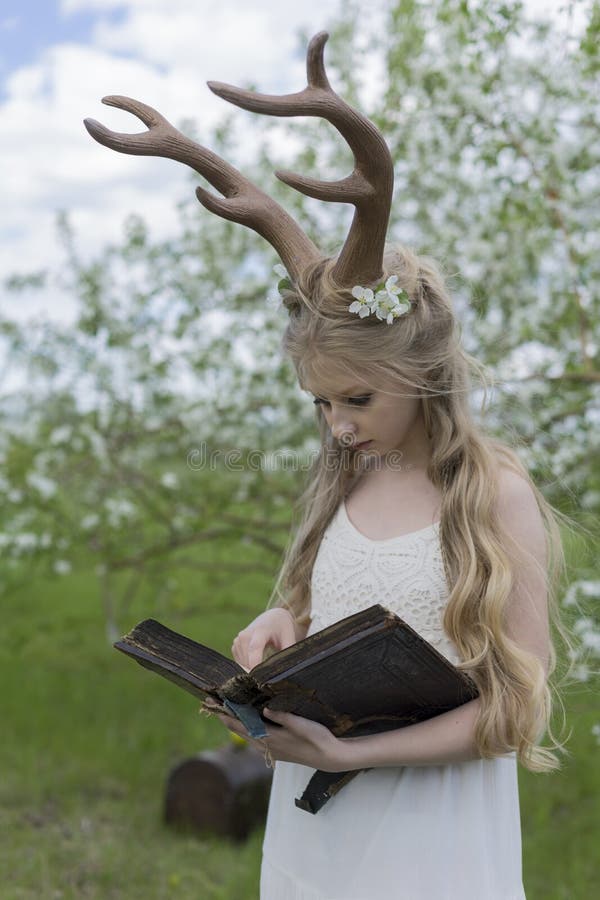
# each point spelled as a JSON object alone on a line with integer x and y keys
{"x": 223, "y": 792}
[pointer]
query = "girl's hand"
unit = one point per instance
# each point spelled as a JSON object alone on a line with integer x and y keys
{"x": 296, "y": 740}
{"x": 275, "y": 627}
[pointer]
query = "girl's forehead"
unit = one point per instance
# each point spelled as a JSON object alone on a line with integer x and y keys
{"x": 328, "y": 380}
{"x": 344, "y": 382}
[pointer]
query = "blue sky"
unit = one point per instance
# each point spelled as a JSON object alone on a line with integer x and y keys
{"x": 28, "y": 27}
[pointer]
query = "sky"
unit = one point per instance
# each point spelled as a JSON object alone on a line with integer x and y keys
{"x": 59, "y": 57}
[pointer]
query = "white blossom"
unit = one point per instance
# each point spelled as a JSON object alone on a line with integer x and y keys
{"x": 89, "y": 521}
{"x": 589, "y": 589}
{"x": 118, "y": 510}
{"x": 25, "y": 540}
{"x": 43, "y": 485}
{"x": 60, "y": 435}
{"x": 388, "y": 303}
{"x": 364, "y": 301}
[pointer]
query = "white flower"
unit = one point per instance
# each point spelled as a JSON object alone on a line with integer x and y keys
{"x": 89, "y": 521}
{"x": 118, "y": 510}
{"x": 26, "y": 540}
{"x": 169, "y": 480}
{"x": 392, "y": 301}
{"x": 43, "y": 485}
{"x": 388, "y": 303}
{"x": 389, "y": 308}
{"x": 390, "y": 285}
{"x": 61, "y": 435}
{"x": 280, "y": 270}
{"x": 62, "y": 567}
{"x": 363, "y": 305}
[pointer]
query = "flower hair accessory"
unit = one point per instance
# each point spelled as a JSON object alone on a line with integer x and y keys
{"x": 388, "y": 301}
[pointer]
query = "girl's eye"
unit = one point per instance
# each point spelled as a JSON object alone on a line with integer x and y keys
{"x": 352, "y": 401}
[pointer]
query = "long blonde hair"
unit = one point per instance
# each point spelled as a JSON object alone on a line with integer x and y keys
{"x": 423, "y": 350}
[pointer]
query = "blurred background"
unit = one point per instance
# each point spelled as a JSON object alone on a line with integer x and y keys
{"x": 152, "y": 439}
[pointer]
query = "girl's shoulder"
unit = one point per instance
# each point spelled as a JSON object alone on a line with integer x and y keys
{"x": 514, "y": 489}
{"x": 519, "y": 513}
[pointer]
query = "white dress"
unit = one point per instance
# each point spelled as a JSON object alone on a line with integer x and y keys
{"x": 448, "y": 832}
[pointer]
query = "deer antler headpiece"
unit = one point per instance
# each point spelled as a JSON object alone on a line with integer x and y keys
{"x": 368, "y": 188}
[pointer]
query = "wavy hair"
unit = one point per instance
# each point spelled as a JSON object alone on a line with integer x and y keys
{"x": 423, "y": 350}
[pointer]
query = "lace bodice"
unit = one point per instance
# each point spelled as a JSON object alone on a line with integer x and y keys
{"x": 405, "y": 574}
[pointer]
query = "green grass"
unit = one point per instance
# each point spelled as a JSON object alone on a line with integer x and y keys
{"x": 88, "y": 740}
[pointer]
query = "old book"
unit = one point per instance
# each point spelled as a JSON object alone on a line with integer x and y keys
{"x": 367, "y": 673}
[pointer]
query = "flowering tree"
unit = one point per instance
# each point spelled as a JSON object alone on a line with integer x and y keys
{"x": 118, "y": 444}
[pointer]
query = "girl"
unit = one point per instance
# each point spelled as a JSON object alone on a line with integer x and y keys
{"x": 411, "y": 505}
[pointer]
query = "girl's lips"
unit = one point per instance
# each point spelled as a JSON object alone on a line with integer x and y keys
{"x": 362, "y": 445}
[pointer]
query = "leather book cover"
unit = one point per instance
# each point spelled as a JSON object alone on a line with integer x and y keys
{"x": 367, "y": 673}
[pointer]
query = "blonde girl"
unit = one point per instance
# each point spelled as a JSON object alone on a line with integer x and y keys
{"x": 442, "y": 524}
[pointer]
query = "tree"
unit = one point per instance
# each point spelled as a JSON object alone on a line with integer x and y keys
{"x": 492, "y": 122}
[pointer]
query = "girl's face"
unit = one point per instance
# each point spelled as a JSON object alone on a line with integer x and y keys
{"x": 390, "y": 422}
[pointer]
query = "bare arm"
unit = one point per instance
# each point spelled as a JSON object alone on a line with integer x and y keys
{"x": 449, "y": 738}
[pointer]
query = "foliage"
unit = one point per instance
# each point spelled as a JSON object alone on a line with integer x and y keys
{"x": 492, "y": 121}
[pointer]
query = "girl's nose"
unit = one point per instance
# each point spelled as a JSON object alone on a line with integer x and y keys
{"x": 342, "y": 428}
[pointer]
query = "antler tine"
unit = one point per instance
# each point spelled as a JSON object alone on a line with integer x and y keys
{"x": 370, "y": 185}
{"x": 242, "y": 202}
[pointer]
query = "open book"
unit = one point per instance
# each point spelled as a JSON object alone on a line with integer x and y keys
{"x": 367, "y": 673}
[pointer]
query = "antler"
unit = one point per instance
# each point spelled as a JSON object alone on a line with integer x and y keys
{"x": 243, "y": 202}
{"x": 369, "y": 187}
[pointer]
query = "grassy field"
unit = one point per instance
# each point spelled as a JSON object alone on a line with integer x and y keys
{"x": 88, "y": 740}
